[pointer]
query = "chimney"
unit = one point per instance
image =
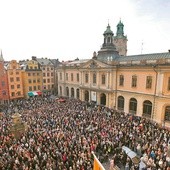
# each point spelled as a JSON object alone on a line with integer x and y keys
{"x": 34, "y": 57}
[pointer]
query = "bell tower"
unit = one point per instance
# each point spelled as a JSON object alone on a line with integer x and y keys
{"x": 120, "y": 40}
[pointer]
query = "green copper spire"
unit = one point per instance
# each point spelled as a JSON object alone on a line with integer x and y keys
{"x": 108, "y": 30}
{"x": 120, "y": 31}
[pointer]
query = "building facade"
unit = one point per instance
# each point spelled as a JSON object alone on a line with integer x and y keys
{"x": 138, "y": 84}
{"x": 48, "y": 73}
{"x": 4, "y": 91}
{"x": 15, "y": 82}
{"x": 32, "y": 78}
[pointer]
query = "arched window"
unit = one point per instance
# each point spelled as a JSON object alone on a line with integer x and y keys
{"x": 103, "y": 99}
{"x": 167, "y": 113}
{"x": 147, "y": 108}
{"x": 72, "y": 92}
{"x": 121, "y": 103}
{"x": 67, "y": 91}
{"x": 133, "y": 106}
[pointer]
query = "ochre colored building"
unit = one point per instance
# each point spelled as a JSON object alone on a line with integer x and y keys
{"x": 138, "y": 84}
{"x": 15, "y": 82}
{"x": 32, "y": 78}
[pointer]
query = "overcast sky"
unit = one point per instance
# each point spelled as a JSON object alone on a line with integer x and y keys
{"x": 67, "y": 29}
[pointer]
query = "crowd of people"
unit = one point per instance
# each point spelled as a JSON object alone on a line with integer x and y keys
{"x": 62, "y": 136}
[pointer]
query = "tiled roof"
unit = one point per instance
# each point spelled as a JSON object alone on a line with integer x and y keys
{"x": 44, "y": 61}
{"x": 154, "y": 56}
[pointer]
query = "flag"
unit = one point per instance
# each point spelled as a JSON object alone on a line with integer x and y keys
{"x": 97, "y": 165}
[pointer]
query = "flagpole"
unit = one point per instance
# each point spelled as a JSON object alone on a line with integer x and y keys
{"x": 101, "y": 166}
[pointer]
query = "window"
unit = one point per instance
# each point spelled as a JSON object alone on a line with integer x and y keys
{"x": 17, "y": 79}
{"x": 43, "y": 74}
{"x": 34, "y": 81}
{"x": 11, "y": 79}
{"x": 44, "y": 80}
{"x": 29, "y": 74}
{"x": 60, "y": 76}
{"x": 48, "y": 69}
{"x": 33, "y": 74}
{"x": 77, "y": 77}
{"x": 30, "y": 88}
{"x": 134, "y": 81}
{"x": 167, "y": 113}
{"x": 67, "y": 76}
{"x": 71, "y": 76}
{"x": 51, "y": 68}
{"x": 168, "y": 83}
{"x": 39, "y": 87}
{"x": 3, "y": 92}
{"x": 48, "y": 74}
{"x": 52, "y": 80}
{"x": 86, "y": 78}
{"x": 121, "y": 103}
{"x": 52, "y": 74}
{"x": 17, "y": 73}
{"x": 43, "y": 68}
{"x": 18, "y": 86}
{"x": 103, "y": 79}
{"x": 121, "y": 80}
{"x": 94, "y": 78}
{"x": 38, "y": 80}
{"x": 29, "y": 81}
{"x": 48, "y": 80}
{"x": 11, "y": 73}
{"x": 148, "y": 82}
{"x": 12, "y": 86}
{"x": 38, "y": 74}
{"x": 19, "y": 93}
{"x": 35, "y": 67}
{"x": 35, "y": 88}
{"x": 13, "y": 94}
{"x": 49, "y": 87}
{"x": 3, "y": 83}
{"x": 133, "y": 106}
{"x": 147, "y": 108}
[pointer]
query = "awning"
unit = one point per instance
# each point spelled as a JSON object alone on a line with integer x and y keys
{"x": 34, "y": 93}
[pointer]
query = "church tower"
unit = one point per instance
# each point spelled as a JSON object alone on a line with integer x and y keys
{"x": 120, "y": 40}
{"x": 108, "y": 50}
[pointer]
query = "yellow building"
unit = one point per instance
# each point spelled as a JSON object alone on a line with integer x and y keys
{"x": 138, "y": 84}
{"x": 32, "y": 78}
{"x": 15, "y": 84}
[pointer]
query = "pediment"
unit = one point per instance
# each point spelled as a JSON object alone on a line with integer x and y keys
{"x": 94, "y": 64}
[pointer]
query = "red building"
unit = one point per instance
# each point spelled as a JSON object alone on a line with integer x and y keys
{"x": 4, "y": 92}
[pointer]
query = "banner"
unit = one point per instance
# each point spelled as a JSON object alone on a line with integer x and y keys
{"x": 93, "y": 96}
{"x": 97, "y": 165}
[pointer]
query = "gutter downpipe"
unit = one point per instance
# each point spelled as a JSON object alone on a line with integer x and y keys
{"x": 154, "y": 100}
{"x": 115, "y": 103}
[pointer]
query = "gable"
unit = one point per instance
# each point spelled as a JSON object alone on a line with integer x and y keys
{"x": 94, "y": 64}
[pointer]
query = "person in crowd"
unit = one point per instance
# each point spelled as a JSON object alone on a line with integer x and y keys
{"x": 62, "y": 136}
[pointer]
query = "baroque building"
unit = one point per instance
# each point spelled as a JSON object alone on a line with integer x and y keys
{"x": 137, "y": 84}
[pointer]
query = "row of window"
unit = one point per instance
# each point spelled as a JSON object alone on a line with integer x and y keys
{"x": 13, "y": 87}
{"x": 12, "y": 79}
{"x": 34, "y": 88}
{"x": 48, "y": 80}
{"x": 48, "y": 87}
{"x": 103, "y": 78}
{"x": 34, "y": 81}
{"x": 134, "y": 81}
{"x": 33, "y": 74}
{"x": 16, "y": 94}
{"x": 47, "y": 74}
{"x": 12, "y": 73}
